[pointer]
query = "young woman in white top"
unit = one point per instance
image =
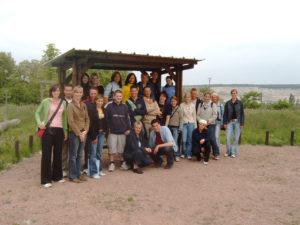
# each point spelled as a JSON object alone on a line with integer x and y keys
{"x": 188, "y": 123}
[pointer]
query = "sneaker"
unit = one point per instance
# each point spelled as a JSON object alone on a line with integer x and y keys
{"x": 138, "y": 171}
{"x": 75, "y": 181}
{"x": 96, "y": 176}
{"x": 111, "y": 167}
{"x": 189, "y": 157}
{"x": 84, "y": 172}
{"x": 47, "y": 185}
{"x": 226, "y": 155}
{"x": 182, "y": 156}
{"x": 232, "y": 156}
{"x": 124, "y": 166}
{"x": 82, "y": 178}
{"x": 205, "y": 163}
{"x": 177, "y": 159}
{"x": 102, "y": 174}
{"x": 62, "y": 181}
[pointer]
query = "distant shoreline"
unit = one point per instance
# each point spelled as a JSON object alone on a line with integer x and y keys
{"x": 271, "y": 86}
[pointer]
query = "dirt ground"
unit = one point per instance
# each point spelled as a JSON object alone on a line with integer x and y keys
{"x": 261, "y": 186}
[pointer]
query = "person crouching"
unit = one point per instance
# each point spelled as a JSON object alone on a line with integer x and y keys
{"x": 200, "y": 142}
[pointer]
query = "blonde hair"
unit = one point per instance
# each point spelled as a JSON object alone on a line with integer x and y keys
{"x": 138, "y": 123}
{"x": 77, "y": 89}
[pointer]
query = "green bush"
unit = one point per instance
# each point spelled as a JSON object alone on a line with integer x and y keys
{"x": 281, "y": 104}
{"x": 252, "y": 100}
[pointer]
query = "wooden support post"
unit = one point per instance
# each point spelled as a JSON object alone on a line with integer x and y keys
{"x": 17, "y": 150}
{"x": 179, "y": 84}
{"x": 267, "y": 137}
{"x": 292, "y": 137}
{"x": 74, "y": 73}
{"x": 30, "y": 143}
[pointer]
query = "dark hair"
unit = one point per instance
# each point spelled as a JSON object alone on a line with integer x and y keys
{"x": 144, "y": 73}
{"x": 93, "y": 88}
{"x": 134, "y": 86}
{"x": 168, "y": 77}
{"x": 128, "y": 77}
{"x": 114, "y": 74}
{"x": 68, "y": 85}
{"x": 233, "y": 90}
{"x": 53, "y": 88}
{"x": 84, "y": 75}
{"x": 94, "y": 75}
{"x": 164, "y": 94}
{"x": 145, "y": 89}
{"x": 155, "y": 121}
{"x": 174, "y": 98}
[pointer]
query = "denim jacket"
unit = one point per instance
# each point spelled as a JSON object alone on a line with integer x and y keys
{"x": 166, "y": 136}
{"x": 239, "y": 108}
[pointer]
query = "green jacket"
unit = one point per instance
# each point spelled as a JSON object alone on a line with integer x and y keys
{"x": 42, "y": 112}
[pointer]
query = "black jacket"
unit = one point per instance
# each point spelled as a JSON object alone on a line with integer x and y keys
{"x": 228, "y": 110}
{"x": 117, "y": 118}
{"x": 140, "y": 110}
{"x": 197, "y": 136}
{"x": 94, "y": 120}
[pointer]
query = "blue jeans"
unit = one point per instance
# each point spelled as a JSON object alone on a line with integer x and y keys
{"x": 212, "y": 137}
{"x": 174, "y": 131}
{"x": 100, "y": 143}
{"x": 233, "y": 129}
{"x": 92, "y": 161}
{"x": 75, "y": 155}
{"x": 187, "y": 131}
{"x": 218, "y": 132}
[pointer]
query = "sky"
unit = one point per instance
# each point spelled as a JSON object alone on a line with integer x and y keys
{"x": 255, "y": 41}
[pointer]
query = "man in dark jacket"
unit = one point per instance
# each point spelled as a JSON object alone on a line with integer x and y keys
{"x": 118, "y": 121}
{"x": 92, "y": 135}
{"x": 145, "y": 83}
{"x": 233, "y": 120}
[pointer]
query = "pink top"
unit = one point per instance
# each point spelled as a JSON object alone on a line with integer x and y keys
{"x": 57, "y": 120}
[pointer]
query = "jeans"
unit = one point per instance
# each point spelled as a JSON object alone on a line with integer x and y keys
{"x": 233, "y": 129}
{"x": 187, "y": 131}
{"x": 75, "y": 155}
{"x": 197, "y": 150}
{"x": 174, "y": 131}
{"x": 218, "y": 132}
{"x": 167, "y": 151}
{"x": 100, "y": 143}
{"x": 212, "y": 137}
{"x": 92, "y": 160}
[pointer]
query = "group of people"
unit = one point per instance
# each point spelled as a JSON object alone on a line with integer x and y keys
{"x": 140, "y": 122}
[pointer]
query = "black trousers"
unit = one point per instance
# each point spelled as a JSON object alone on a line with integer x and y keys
{"x": 52, "y": 140}
{"x": 197, "y": 150}
{"x": 167, "y": 151}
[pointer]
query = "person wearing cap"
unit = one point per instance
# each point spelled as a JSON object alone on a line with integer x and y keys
{"x": 200, "y": 142}
{"x": 233, "y": 122}
{"x": 169, "y": 88}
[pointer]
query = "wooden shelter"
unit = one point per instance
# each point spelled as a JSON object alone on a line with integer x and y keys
{"x": 82, "y": 60}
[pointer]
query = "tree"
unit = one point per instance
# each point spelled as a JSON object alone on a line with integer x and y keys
{"x": 49, "y": 53}
{"x": 7, "y": 68}
{"x": 252, "y": 99}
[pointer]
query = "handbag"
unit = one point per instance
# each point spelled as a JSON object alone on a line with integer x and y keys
{"x": 40, "y": 131}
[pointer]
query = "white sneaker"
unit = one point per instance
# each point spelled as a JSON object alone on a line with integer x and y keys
{"x": 65, "y": 174}
{"x": 96, "y": 176}
{"x": 232, "y": 156}
{"x": 177, "y": 159}
{"x": 226, "y": 155}
{"x": 85, "y": 171}
{"x": 62, "y": 181}
{"x": 124, "y": 166}
{"x": 47, "y": 185}
{"x": 182, "y": 156}
{"x": 111, "y": 167}
{"x": 217, "y": 157}
{"x": 189, "y": 157}
{"x": 205, "y": 163}
{"x": 102, "y": 174}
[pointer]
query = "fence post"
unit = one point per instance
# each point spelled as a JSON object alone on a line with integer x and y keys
{"x": 17, "y": 150}
{"x": 292, "y": 137}
{"x": 30, "y": 143}
{"x": 267, "y": 137}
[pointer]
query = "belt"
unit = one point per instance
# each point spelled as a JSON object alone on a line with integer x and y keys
{"x": 234, "y": 120}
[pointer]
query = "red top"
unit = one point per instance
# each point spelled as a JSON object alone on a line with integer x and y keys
{"x": 158, "y": 139}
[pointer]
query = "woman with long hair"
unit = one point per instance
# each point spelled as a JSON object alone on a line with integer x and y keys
{"x": 85, "y": 84}
{"x": 130, "y": 80}
{"x": 51, "y": 117}
{"x": 115, "y": 84}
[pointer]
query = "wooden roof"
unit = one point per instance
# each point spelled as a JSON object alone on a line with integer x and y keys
{"x": 121, "y": 61}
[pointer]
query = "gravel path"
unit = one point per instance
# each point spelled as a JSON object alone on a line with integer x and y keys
{"x": 261, "y": 186}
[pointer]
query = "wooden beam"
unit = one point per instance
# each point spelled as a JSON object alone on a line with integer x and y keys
{"x": 184, "y": 67}
{"x": 74, "y": 73}
{"x": 179, "y": 84}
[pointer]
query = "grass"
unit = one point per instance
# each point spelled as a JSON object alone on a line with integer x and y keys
{"x": 278, "y": 122}
{"x": 21, "y": 132}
